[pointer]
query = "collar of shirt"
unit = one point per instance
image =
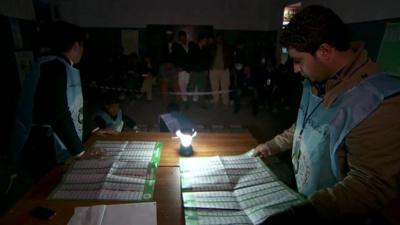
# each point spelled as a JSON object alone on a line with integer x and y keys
{"x": 322, "y": 86}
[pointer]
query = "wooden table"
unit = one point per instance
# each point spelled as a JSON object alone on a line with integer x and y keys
{"x": 167, "y": 189}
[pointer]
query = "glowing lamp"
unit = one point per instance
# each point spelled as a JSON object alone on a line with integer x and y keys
{"x": 186, "y": 136}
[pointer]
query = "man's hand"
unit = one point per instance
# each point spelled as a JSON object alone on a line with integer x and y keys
{"x": 104, "y": 132}
{"x": 263, "y": 151}
{"x": 94, "y": 153}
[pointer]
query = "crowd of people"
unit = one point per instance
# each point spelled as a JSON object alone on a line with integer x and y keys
{"x": 206, "y": 70}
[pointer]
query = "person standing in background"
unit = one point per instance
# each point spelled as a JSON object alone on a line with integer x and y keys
{"x": 200, "y": 62}
{"x": 219, "y": 71}
{"x": 148, "y": 72}
{"x": 168, "y": 72}
{"x": 180, "y": 52}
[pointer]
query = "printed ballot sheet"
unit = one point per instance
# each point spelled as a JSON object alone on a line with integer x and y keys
{"x": 222, "y": 173}
{"x": 145, "y": 151}
{"x": 232, "y": 190}
{"x": 126, "y": 172}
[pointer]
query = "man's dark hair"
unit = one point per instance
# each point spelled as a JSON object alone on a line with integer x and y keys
{"x": 313, "y": 26}
{"x": 201, "y": 36}
{"x": 182, "y": 33}
{"x": 64, "y": 35}
{"x": 111, "y": 98}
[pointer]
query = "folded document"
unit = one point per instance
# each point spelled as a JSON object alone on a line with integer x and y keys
{"x": 122, "y": 214}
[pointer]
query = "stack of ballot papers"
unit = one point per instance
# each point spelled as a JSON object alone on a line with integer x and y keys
{"x": 232, "y": 190}
{"x": 122, "y": 214}
{"x": 127, "y": 171}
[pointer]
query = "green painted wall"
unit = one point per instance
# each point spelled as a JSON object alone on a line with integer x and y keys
{"x": 371, "y": 33}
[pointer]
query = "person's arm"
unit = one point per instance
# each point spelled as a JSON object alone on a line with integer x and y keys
{"x": 55, "y": 77}
{"x": 278, "y": 144}
{"x": 372, "y": 182}
{"x": 89, "y": 123}
{"x": 374, "y": 168}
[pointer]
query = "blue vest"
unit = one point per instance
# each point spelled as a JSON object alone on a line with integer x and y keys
{"x": 24, "y": 110}
{"x": 116, "y": 124}
{"x": 320, "y": 131}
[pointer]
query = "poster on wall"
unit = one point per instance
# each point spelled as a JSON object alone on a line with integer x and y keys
{"x": 24, "y": 61}
{"x": 129, "y": 41}
{"x": 388, "y": 56}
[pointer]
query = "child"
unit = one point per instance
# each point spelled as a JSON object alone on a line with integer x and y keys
{"x": 110, "y": 116}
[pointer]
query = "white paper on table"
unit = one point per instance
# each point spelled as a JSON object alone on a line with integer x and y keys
{"x": 88, "y": 215}
{"x": 121, "y": 214}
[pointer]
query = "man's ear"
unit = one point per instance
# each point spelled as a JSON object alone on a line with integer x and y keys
{"x": 325, "y": 52}
{"x": 76, "y": 46}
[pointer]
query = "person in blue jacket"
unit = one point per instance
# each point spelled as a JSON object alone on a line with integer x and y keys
{"x": 49, "y": 115}
{"x": 111, "y": 117}
{"x": 345, "y": 142}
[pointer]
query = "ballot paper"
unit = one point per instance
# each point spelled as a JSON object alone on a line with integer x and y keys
{"x": 145, "y": 151}
{"x": 232, "y": 190}
{"x": 127, "y": 172}
{"x": 205, "y": 216}
{"x": 121, "y": 214}
{"x": 223, "y": 173}
{"x": 139, "y": 169}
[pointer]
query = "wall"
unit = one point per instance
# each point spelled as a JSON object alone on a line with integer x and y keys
{"x": 28, "y": 41}
{"x": 22, "y": 9}
{"x": 371, "y": 33}
{"x": 262, "y": 15}
{"x": 353, "y": 11}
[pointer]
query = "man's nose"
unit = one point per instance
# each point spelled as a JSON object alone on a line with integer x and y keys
{"x": 296, "y": 68}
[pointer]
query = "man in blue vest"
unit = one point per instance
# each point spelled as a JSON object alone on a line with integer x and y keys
{"x": 50, "y": 107}
{"x": 345, "y": 147}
